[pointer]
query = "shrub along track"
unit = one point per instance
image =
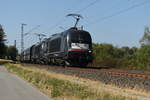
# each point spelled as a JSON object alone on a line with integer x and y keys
{"x": 138, "y": 80}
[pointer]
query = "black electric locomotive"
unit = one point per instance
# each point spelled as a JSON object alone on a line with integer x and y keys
{"x": 72, "y": 47}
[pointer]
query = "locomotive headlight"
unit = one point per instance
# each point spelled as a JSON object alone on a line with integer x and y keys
{"x": 90, "y": 51}
{"x": 79, "y": 46}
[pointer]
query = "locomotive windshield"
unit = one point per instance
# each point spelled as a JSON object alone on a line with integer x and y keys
{"x": 80, "y": 37}
{"x": 80, "y": 40}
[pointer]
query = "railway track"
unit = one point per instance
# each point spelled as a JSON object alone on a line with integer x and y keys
{"x": 132, "y": 73}
{"x": 114, "y": 72}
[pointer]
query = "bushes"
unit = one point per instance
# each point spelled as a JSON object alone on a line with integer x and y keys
{"x": 142, "y": 58}
{"x": 103, "y": 54}
{"x": 107, "y": 55}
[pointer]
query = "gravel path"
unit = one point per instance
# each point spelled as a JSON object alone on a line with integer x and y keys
{"x": 14, "y": 88}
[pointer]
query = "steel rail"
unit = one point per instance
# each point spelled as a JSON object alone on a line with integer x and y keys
{"x": 113, "y": 72}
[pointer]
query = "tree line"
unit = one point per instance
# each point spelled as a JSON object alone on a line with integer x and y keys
{"x": 107, "y": 55}
{"x": 6, "y": 52}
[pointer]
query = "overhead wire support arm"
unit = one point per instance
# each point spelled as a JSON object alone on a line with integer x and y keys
{"x": 32, "y": 30}
{"x": 24, "y": 34}
{"x": 40, "y": 35}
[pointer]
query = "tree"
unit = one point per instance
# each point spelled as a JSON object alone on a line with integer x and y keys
{"x": 146, "y": 37}
{"x": 142, "y": 57}
{"x": 12, "y": 52}
{"x": 2, "y": 42}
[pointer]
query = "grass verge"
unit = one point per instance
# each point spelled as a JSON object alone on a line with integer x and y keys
{"x": 61, "y": 89}
{"x": 4, "y": 61}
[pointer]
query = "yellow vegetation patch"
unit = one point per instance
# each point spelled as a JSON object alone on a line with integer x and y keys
{"x": 3, "y": 61}
{"x": 93, "y": 84}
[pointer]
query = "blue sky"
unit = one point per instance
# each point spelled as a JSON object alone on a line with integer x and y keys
{"x": 123, "y": 29}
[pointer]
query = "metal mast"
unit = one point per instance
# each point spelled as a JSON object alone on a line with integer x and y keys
{"x": 15, "y": 43}
{"x": 22, "y": 37}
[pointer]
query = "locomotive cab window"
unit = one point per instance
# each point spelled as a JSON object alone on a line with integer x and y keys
{"x": 80, "y": 40}
{"x": 82, "y": 37}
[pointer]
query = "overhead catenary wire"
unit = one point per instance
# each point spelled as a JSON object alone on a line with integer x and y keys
{"x": 86, "y": 7}
{"x": 79, "y": 11}
{"x": 122, "y": 11}
{"x": 34, "y": 28}
{"x": 61, "y": 21}
{"x": 113, "y": 6}
{"x": 87, "y": 21}
{"x": 89, "y": 5}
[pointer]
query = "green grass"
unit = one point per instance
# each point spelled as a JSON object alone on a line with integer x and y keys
{"x": 61, "y": 88}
